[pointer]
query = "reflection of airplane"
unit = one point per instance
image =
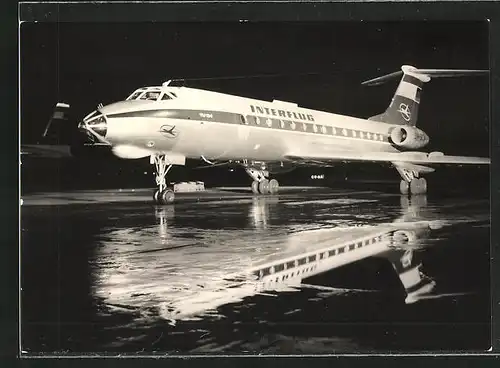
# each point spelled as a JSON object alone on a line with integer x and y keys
{"x": 324, "y": 250}
{"x": 200, "y": 271}
{"x": 171, "y": 124}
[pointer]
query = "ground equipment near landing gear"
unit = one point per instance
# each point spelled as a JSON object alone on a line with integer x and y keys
{"x": 260, "y": 184}
{"x": 162, "y": 195}
{"x": 411, "y": 183}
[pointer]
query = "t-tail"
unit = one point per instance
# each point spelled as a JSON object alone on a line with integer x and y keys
{"x": 403, "y": 109}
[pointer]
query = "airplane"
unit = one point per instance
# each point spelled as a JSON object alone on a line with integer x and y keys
{"x": 171, "y": 124}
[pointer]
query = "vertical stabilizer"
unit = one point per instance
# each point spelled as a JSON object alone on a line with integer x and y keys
{"x": 403, "y": 109}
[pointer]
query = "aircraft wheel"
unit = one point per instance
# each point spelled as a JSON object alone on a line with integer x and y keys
{"x": 264, "y": 186}
{"x": 404, "y": 187}
{"x": 167, "y": 196}
{"x": 273, "y": 186}
{"x": 423, "y": 184}
{"x": 156, "y": 196}
{"x": 418, "y": 186}
{"x": 255, "y": 187}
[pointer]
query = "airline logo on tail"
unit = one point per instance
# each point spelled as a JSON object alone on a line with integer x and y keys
{"x": 405, "y": 112}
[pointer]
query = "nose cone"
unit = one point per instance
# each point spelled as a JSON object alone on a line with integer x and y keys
{"x": 99, "y": 126}
{"x": 95, "y": 126}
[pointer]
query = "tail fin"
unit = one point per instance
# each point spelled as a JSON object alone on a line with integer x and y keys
{"x": 58, "y": 125}
{"x": 403, "y": 109}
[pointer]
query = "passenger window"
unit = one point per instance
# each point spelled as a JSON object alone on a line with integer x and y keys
{"x": 292, "y": 125}
{"x": 243, "y": 120}
{"x": 323, "y": 129}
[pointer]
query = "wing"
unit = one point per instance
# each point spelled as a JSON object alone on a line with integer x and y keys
{"x": 46, "y": 151}
{"x": 433, "y": 158}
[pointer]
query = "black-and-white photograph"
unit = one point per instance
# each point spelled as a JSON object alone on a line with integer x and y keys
{"x": 254, "y": 187}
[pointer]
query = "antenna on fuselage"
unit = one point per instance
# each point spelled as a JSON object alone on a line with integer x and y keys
{"x": 173, "y": 82}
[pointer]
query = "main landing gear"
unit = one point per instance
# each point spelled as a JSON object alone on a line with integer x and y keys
{"x": 260, "y": 184}
{"x": 162, "y": 195}
{"x": 411, "y": 183}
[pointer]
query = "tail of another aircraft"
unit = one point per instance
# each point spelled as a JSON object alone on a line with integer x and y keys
{"x": 403, "y": 109}
{"x": 58, "y": 125}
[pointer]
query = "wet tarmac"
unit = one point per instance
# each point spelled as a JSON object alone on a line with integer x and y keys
{"x": 311, "y": 271}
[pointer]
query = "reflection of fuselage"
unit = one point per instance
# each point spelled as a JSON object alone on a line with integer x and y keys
{"x": 217, "y": 125}
{"x": 257, "y": 262}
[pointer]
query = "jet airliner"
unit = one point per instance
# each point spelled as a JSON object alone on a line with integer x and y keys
{"x": 171, "y": 124}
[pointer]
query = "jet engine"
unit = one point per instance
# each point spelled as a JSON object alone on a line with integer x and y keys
{"x": 408, "y": 137}
{"x": 410, "y": 236}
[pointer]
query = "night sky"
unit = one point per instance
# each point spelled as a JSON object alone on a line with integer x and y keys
{"x": 317, "y": 65}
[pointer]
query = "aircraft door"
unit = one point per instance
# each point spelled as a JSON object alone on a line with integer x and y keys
{"x": 243, "y": 129}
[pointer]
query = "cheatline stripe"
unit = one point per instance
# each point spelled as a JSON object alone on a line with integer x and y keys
{"x": 413, "y": 80}
{"x": 407, "y": 90}
{"x": 254, "y": 121}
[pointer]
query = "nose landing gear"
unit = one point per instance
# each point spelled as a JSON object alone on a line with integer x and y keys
{"x": 162, "y": 195}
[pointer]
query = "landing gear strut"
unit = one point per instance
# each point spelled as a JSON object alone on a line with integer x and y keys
{"x": 260, "y": 184}
{"x": 162, "y": 195}
{"x": 411, "y": 183}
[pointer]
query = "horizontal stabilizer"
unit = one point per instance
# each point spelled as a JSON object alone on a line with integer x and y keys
{"x": 424, "y": 74}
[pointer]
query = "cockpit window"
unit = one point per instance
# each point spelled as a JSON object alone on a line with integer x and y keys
{"x": 153, "y": 95}
{"x": 134, "y": 95}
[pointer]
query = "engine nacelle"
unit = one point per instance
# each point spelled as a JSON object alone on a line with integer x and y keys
{"x": 410, "y": 236}
{"x": 408, "y": 137}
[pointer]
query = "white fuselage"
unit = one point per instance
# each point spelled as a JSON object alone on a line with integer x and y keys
{"x": 220, "y": 126}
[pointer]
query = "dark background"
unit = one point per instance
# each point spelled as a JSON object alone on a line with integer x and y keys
{"x": 318, "y": 65}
